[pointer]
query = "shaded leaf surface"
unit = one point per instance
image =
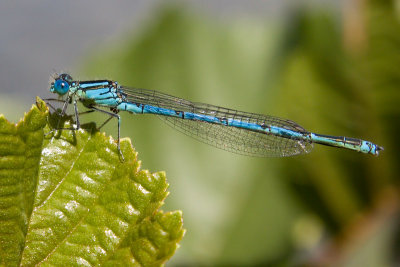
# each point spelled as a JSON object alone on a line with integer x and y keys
{"x": 67, "y": 199}
{"x": 20, "y": 150}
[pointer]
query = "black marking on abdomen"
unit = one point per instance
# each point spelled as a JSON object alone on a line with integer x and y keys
{"x": 223, "y": 120}
{"x": 180, "y": 113}
{"x": 352, "y": 141}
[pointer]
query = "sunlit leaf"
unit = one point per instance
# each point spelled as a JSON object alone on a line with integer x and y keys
{"x": 67, "y": 198}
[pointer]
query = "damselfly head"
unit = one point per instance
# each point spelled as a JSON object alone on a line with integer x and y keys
{"x": 61, "y": 84}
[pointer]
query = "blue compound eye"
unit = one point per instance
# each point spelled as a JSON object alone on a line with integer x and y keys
{"x": 60, "y": 87}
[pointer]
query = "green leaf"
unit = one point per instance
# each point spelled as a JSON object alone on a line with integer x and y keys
{"x": 20, "y": 150}
{"x": 67, "y": 199}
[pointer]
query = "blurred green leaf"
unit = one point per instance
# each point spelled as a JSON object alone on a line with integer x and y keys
{"x": 242, "y": 210}
{"x": 68, "y": 199}
{"x": 181, "y": 53}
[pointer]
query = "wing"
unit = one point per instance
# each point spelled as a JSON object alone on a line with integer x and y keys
{"x": 236, "y": 140}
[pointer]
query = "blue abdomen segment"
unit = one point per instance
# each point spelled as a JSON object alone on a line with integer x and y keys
{"x": 336, "y": 141}
{"x": 148, "y": 109}
{"x": 346, "y": 142}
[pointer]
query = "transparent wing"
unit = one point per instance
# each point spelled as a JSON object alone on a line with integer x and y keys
{"x": 237, "y": 140}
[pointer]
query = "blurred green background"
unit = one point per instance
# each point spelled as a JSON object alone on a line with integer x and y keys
{"x": 332, "y": 72}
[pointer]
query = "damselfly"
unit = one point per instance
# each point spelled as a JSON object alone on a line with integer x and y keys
{"x": 236, "y": 131}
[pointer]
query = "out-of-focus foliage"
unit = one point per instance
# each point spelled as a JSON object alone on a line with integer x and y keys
{"x": 320, "y": 208}
{"x": 68, "y": 200}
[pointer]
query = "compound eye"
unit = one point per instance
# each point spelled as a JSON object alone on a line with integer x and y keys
{"x": 61, "y": 87}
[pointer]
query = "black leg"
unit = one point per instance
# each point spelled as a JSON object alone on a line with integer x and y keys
{"x": 46, "y": 100}
{"x": 51, "y": 106}
{"x": 112, "y": 115}
{"x": 59, "y": 100}
{"x": 87, "y": 112}
{"x": 66, "y": 102}
{"x": 105, "y": 122}
{"x": 78, "y": 124}
{"x": 64, "y": 109}
{"x": 53, "y": 99}
{"x": 92, "y": 109}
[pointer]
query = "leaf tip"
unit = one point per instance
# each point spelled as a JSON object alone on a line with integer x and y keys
{"x": 41, "y": 105}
